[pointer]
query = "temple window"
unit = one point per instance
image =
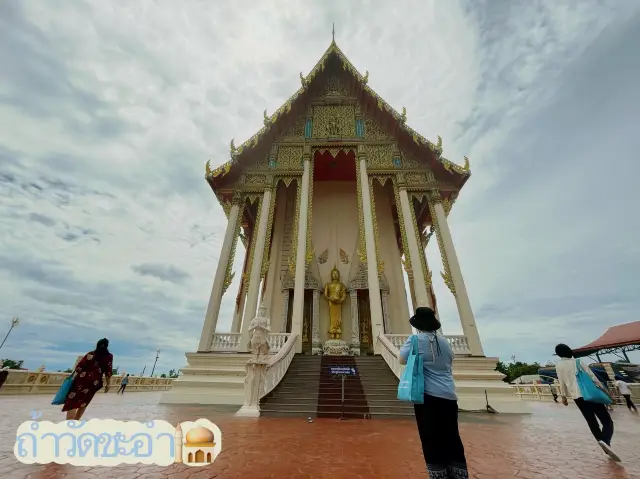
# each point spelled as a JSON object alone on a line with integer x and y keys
{"x": 397, "y": 162}
{"x": 360, "y": 128}
{"x": 272, "y": 162}
{"x": 308, "y": 128}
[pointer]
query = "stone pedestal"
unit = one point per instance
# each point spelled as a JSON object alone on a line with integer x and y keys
{"x": 335, "y": 347}
{"x": 253, "y": 387}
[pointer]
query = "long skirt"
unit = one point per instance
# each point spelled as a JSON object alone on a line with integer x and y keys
{"x": 442, "y": 447}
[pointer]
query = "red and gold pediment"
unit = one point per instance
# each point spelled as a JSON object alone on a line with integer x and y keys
{"x": 335, "y": 105}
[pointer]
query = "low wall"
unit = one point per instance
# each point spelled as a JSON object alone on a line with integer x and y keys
{"x": 542, "y": 392}
{"x": 35, "y": 382}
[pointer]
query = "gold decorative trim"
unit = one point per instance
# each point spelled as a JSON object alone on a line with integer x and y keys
{"x": 238, "y": 199}
{"x": 426, "y": 274}
{"x": 447, "y": 203}
{"x": 363, "y": 79}
{"x": 333, "y": 150}
{"x": 254, "y": 238}
{"x": 361, "y": 251}
{"x": 406, "y": 262}
{"x": 334, "y": 121}
{"x": 374, "y": 219}
{"x": 294, "y": 242}
{"x": 309, "y": 246}
{"x": 267, "y": 240}
{"x": 433, "y": 198}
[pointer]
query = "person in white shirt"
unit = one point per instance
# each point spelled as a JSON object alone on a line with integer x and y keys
{"x": 626, "y": 394}
{"x": 566, "y": 370}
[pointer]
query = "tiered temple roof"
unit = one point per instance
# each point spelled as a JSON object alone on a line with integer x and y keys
{"x": 256, "y": 147}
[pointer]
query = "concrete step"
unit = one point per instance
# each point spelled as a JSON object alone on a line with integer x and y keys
{"x": 300, "y": 413}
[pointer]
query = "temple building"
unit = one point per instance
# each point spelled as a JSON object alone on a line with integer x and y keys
{"x": 335, "y": 199}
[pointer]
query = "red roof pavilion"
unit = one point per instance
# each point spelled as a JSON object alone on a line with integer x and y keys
{"x": 624, "y": 336}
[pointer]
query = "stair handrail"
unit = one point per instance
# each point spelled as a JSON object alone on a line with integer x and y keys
{"x": 390, "y": 354}
{"x": 278, "y": 365}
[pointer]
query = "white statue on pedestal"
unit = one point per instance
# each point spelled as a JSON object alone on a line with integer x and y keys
{"x": 259, "y": 329}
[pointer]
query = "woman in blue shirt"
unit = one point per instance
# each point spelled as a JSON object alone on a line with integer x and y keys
{"x": 437, "y": 418}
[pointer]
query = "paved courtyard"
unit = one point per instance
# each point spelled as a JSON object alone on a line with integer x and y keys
{"x": 554, "y": 442}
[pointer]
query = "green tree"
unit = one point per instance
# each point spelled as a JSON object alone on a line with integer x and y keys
{"x": 12, "y": 363}
{"x": 515, "y": 369}
{"x": 163, "y": 375}
{"x": 173, "y": 373}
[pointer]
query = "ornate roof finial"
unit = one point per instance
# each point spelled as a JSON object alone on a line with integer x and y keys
{"x": 333, "y": 33}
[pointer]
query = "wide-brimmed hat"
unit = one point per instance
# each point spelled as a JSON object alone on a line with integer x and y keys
{"x": 425, "y": 319}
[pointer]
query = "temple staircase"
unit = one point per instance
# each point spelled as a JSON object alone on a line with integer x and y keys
{"x": 297, "y": 393}
{"x": 309, "y": 390}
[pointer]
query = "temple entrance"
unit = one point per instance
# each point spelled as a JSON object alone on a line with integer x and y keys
{"x": 307, "y": 314}
{"x": 364, "y": 318}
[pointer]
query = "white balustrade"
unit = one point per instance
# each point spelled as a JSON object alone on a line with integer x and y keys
{"x": 457, "y": 342}
{"x": 278, "y": 364}
{"x": 397, "y": 339}
{"x": 230, "y": 342}
{"x": 277, "y": 341}
{"x": 459, "y": 345}
{"x": 21, "y": 381}
{"x": 225, "y": 342}
{"x": 390, "y": 345}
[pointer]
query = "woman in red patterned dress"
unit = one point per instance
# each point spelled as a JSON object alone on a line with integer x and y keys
{"x": 88, "y": 379}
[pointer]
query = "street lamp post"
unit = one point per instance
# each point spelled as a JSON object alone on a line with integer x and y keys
{"x": 14, "y": 323}
{"x": 154, "y": 364}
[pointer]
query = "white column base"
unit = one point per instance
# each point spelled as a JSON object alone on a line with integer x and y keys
{"x": 248, "y": 411}
{"x": 354, "y": 350}
{"x": 476, "y": 381}
{"x": 210, "y": 378}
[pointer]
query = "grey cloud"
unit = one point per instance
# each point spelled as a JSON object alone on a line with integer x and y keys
{"x": 39, "y": 81}
{"x": 163, "y": 272}
{"x": 42, "y": 219}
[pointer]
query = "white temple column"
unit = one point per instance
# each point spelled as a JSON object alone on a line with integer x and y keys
{"x": 213, "y": 309}
{"x": 301, "y": 253}
{"x": 316, "y": 347}
{"x": 462, "y": 298}
{"x": 385, "y": 311}
{"x": 355, "y": 324}
{"x": 372, "y": 259}
{"x": 420, "y": 292}
{"x": 253, "y": 293}
{"x": 273, "y": 278}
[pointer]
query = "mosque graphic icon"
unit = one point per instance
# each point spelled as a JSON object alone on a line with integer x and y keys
{"x": 198, "y": 448}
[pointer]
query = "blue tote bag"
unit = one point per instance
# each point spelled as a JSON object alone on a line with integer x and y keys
{"x": 411, "y": 387}
{"x": 588, "y": 389}
{"x": 63, "y": 392}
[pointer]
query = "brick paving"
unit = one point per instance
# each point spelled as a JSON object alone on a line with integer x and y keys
{"x": 554, "y": 442}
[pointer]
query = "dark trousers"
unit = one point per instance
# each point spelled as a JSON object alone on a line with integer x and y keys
{"x": 442, "y": 447}
{"x": 593, "y": 412}
{"x": 630, "y": 405}
{"x": 122, "y": 388}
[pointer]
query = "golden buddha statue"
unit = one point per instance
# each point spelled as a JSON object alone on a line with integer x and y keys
{"x": 335, "y": 292}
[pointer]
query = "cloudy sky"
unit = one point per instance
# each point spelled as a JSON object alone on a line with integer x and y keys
{"x": 109, "y": 110}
